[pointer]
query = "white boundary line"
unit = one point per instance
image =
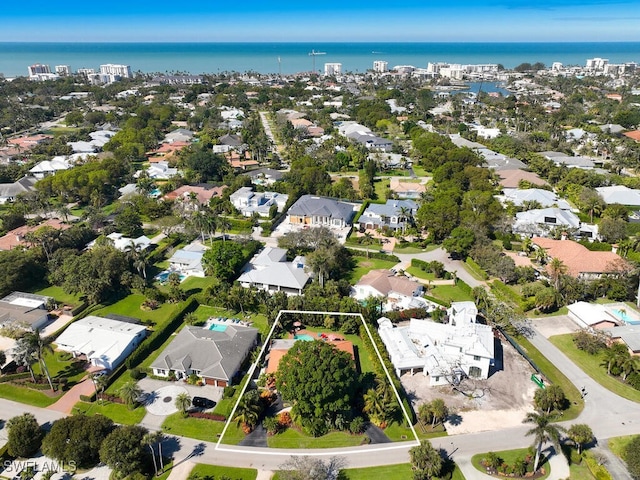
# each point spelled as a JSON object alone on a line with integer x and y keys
{"x": 257, "y": 451}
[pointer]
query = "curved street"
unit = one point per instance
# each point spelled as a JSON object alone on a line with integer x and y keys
{"x": 606, "y": 413}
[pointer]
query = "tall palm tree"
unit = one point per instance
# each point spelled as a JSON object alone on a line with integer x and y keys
{"x": 320, "y": 263}
{"x": 543, "y": 431}
{"x": 367, "y": 239}
{"x": 248, "y": 411}
{"x": 183, "y": 402}
{"x": 100, "y": 384}
{"x": 425, "y": 460}
{"x": 137, "y": 257}
{"x": 150, "y": 439}
{"x": 628, "y": 365}
{"x": 556, "y": 269}
{"x": 33, "y": 346}
{"x": 130, "y": 393}
{"x": 223, "y": 225}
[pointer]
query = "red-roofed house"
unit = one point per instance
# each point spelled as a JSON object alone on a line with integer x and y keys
{"x": 580, "y": 261}
{"x": 202, "y": 193}
{"x": 16, "y": 237}
{"x": 634, "y": 135}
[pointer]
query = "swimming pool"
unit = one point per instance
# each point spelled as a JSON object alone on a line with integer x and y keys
{"x": 163, "y": 276}
{"x": 217, "y": 327}
{"x": 622, "y": 314}
{"x": 304, "y": 337}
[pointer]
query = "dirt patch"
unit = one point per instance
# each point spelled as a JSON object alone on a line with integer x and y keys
{"x": 482, "y": 405}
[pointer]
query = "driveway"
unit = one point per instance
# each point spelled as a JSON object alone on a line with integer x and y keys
{"x": 69, "y": 399}
{"x": 155, "y": 388}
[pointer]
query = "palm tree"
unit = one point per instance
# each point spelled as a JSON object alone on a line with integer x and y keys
{"x": 130, "y": 393}
{"x": 556, "y": 269}
{"x": 367, "y": 239}
{"x": 100, "y": 383}
{"x": 426, "y": 461}
{"x": 35, "y": 347}
{"x": 580, "y": 434}
{"x": 320, "y": 263}
{"x": 224, "y": 225}
{"x": 629, "y": 365}
{"x": 183, "y": 402}
{"x": 406, "y": 216}
{"x": 374, "y": 406}
{"x": 543, "y": 431}
{"x": 150, "y": 440}
{"x": 614, "y": 356}
{"x": 248, "y": 411}
{"x": 137, "y": 257}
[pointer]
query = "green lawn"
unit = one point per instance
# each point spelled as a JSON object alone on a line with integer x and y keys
{"x": 420, "y": 171}
{"x": 203, "y": 312}
{"x": 115, "y": 411}
{"x": 590, "y": 364}
{"x": 412, "y": 248}
{"x": 130, "y": 307}
{"x": 380, "y": 187}
{"x": 618, "y": 444}
{"x": 201, "y": 429}
{"x": 449, "y": 293}
{"x": 293, "y": 438}
{"x": 62, "y": 365}
{"x": 26, "y": 395}
{"x": 557, "y": 377}
{"x": 416, "y": 272}
{"x": 509, "y": 457}
{"x": 400, "y": 433}
{"x": 388, "y": 472}
{"x": 197, "y": 283}
{"x": 365, "y": 265}
{"x": 214, "y": 471}
{"x": 60, "y": 296}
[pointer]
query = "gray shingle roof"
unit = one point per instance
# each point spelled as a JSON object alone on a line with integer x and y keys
{"x": 310, "y": 205}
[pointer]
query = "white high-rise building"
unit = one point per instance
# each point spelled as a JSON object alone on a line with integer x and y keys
{"x": 64, "y": 70}
{"x": 123, "y": 71}
{"x": 380, "y": 66}
{"x": 332, "y": 69}
{"x": 597, "y": 64}
{"x": 38, "y": 69}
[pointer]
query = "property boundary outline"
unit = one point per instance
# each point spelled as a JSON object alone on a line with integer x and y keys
{"x": 219, "y": 446}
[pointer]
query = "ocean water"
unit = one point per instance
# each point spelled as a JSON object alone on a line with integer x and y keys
{"x": 290, "y": 58}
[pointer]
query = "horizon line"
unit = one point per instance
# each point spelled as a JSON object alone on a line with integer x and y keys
{"x": 316, "y": 41}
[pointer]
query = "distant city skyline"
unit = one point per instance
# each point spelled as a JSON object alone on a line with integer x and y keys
{"x": 331, "y": 20}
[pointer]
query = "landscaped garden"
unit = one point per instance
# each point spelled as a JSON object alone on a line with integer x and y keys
{"x": 117, "y": 412}
{"x": 202, "y": 471}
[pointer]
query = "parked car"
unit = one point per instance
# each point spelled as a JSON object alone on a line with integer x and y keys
{"x": 202, "y": 402}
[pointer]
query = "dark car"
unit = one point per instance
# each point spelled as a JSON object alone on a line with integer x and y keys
{"x": 202, "y": 402}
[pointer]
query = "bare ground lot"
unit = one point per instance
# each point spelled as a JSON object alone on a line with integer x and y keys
{"x": 498, "y": 402}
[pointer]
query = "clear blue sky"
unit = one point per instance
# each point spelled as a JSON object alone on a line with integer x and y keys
{"x": 325, "y": 20}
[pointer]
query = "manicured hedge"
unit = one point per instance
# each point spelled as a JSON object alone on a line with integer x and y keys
{"x": 14, "y": 376}
{"x": 159, "y": 253}
{"x": 159, "y": 336}
{"x": 208, "y": 416}
{"x": 381, "y": 256}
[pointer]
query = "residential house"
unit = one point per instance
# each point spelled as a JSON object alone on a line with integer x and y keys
{"x": 394, "y": 215}
{"x": 633, "y": 135}
{"x": 620, "y": 194}
{"x": 406, "y": 189}
{"x": 498, "y": 161}
{"x": 159, "y": 171}
{"x": 543, "y": 221}
{"x": 178, "y": 135}
{"x": 50, "y": 167}
{"x": 25, "y": 310}
{"x": 264, "y": 176}
{"x": 398, "y": 291}
{"x": 9, "y": 191}
{"x": 445, "y": 352}
{"x": 18, "y": 237}
{"x": 104, "y": 342}
{"x": 214, "y": 353}
{"x": 188, "y": 260}
{"x": 269, "y": 270}
{"x": 545, "y": 198}
{"x": 229, "y": 142}
{"x": 166, "y": 151}
{"x": 200, "y": 194}
{"x": 628, "y": 335}
{"x": 249, "y": 202}
{"x": 511, "y": 178}
{"x": 312, "y": 210}
{"x": 122, "y": 243}
{"x": 561, "y": 159}
{"x": 363, "y": 135}
{"x": 591, "y": 315}
{"x": 280, "y": 347}
{"x": 580, "y": 261}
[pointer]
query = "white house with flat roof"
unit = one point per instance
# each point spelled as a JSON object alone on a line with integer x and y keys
{"x": 106, "y": 343}
{"x": 445, "y": 352}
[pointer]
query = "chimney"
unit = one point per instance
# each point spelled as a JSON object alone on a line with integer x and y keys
{"x": 614, "y": 247}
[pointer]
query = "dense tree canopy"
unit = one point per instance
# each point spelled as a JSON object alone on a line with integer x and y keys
{"x": 123, "y": 451}
{"x": 320, "y": 381}
{"x": 77, "y": 439}
{"x": 25, "y": 435}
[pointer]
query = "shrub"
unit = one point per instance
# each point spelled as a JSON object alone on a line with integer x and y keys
{"x": 136, "y": 373}
{"x": 228, "y": 392}
{"x": 357, "y": 425}
{"x": 208, "y": 416}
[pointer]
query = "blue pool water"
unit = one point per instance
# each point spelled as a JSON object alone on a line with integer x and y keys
{"x": 163, "y": 276}
{"x": 622, "y": 315}
{"x": 216, "y": 327}
{"x": 304, "y": 336}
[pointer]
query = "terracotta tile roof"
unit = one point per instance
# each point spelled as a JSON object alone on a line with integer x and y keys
{"x": 204, "y": 194}
{"x": 15, "y": 237}
{"x": 385, "y": 282}
{"x": 634, "y": 135}
{"x": 511, "y": 178}
{"x": 276, "y": 354}
{"x": 580, "y": 260}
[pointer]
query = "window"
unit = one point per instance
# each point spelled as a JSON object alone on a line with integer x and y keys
{"x": 549, "y": 219}
{"x": 476, "y": 358}
{"x": 475, "y": 372}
